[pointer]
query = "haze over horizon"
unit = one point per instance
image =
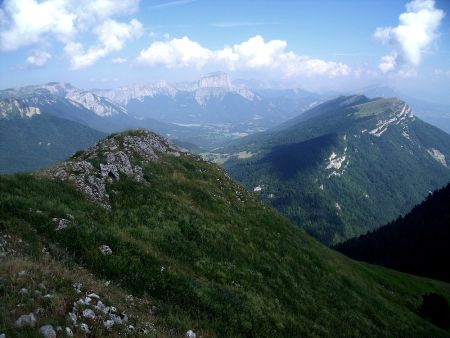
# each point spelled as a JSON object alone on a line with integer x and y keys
{"x": 319, "y": 46}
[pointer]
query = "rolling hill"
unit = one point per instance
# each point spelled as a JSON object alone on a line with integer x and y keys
{"x": 193, "y": 250}
{"x": 344, "y": 167}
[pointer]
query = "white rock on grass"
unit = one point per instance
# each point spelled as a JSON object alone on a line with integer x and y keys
{"x": 108, "y": 324}
{"x": 84, "y": 328}
{"x": 69, "y": 332}
{"x": 77, "y": 287}
{"x": 26, "y": 320}
{"x": 47, "y": 331}
{"x": 73, "y": 318}
{"x": 39, "y": 310}
{"x": 190, "y": 334}
{"x": 93, "y": 295}
{"x": 61, "y": 223}
{"x": 116, "y": 319}
{"x": 102, "y": 307}
{"x": 88, "y": 313}
{"x": 105, "y": 250}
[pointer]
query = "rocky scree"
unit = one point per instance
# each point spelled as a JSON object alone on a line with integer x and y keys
{"x": 118, "y": 155}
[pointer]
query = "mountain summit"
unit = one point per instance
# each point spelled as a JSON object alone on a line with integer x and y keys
{"x": 215, "y": 80}
{"x": 117, "y": 156}
{"x": 344, "y": 167}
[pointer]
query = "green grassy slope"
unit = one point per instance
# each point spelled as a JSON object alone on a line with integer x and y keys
{"x": 28, "y": 144}
{"x": 214, "y": 258}
{"x": 378, "y": 178}
{"x": 416, "y": 243}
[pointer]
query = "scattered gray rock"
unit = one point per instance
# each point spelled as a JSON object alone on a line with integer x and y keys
{"x": 21, "y": 273}
{"x": 138, "y": 173}
{"x": 26, "y": 320}
{"x": 73, "y": 318}
{"x": 38, "y": 311}
{"x": 153, "y": 310}
{"x": 93, "y": 295}
{"x": 4, "y": 247}
{"x": 88, "y": 313}
{"x": 106, "y": 250}
{"x": 23, "y": 291}
{"x": 116, "y": 319}
{"x": 61, "y": 223}
{"x": 108, "y": 324}
{"x": 190, "y": 334}
{"x": 120, "y": 151}
{"x": 102, "y": 307}
{"x": 77, "y": 287}
{"x": 84, "y": 328}
{"x": 47, "y": 331}
{"x": 131, "y": 328}
{"x": 69, "y": 332}
{"x": 2, "y": 335}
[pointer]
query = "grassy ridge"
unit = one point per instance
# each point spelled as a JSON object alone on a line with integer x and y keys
{"x": 378, "y": 178}
{"x": 214, "y": 258}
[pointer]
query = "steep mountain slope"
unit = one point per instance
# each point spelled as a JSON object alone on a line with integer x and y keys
{"x": 165, "y": 224}
{"x": 344, "y": 167}
{"x": 99, "y": 105}
{"x": 65, "y": 101}
{"x": 417, "y": 243}
{"x": 31, "y": 142}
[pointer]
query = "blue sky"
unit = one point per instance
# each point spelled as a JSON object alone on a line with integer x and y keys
{"x": 318, "y": 45}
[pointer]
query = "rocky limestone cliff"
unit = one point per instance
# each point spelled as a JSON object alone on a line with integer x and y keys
{"x": 119, "y": 155}
{"x": 215, "y": 80}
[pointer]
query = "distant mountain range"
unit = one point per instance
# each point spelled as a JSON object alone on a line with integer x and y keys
{"x": 213, "y": 99}
{"x": 200, "y": 115}
{"x": 344, "y": 167}
{"x": 206, "y": 113}
{"x": 417, "y": 243}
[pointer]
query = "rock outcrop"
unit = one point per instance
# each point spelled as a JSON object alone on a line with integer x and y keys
{"x": 119, "y": 155}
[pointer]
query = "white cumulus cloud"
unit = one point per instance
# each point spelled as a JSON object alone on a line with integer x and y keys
{"x": 414, "y": 35}
{"x": 38, "y": 59}
{"x": 175, "y": 53}
{"x": 253, "y": 54}
{"x": 112, "y": 36}
{"x": 119, "y": 60}
{"x": 31, "y": 22}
